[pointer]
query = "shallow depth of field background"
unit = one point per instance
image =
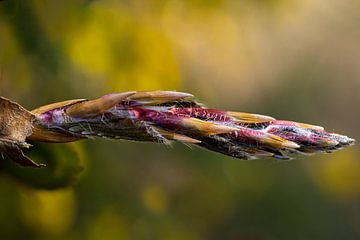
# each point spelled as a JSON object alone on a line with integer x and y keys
{"x": 297, "y": 60}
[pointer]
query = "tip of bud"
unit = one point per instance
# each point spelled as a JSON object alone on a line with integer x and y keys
{"x": 96, "y": 106}
{"x": 250, "y": 118}
{"x": 278, "y": 142}
{"x": 161, "y": 95}
{"x": 208, "y": 128}
{"x": 290, "y": 144}
{"x": 351, "y": 141}
{"x": 341, "y": 139}
{"x": 331, "y": 142}
{"x": 310, "y": 126}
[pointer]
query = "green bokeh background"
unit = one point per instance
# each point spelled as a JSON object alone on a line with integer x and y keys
{"x": 296, "y": 60}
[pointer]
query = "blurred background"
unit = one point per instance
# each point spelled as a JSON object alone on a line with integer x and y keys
{"x": 291, "y": 59}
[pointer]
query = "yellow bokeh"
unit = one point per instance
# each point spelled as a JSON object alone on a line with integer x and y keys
{"x": 108, "y": 224}
{"x": 49, "y": 212}
{"x": 123, "y": 53}
{"x": 338, "y": 175}
{"x": 155, "y": 199}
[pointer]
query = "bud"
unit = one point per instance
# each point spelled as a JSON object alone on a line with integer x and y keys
{"x": 160, "y": 116}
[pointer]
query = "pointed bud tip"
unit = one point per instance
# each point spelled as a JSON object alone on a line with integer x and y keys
{"x": 250, "y": 117}
{"x": 290, "y": 144}
{"x": 331, "y": 142}
{"x": 208, "y": 128}
{"x": 343, "y": 140}
{"x": 97, "y": 106}
{"x": 163, "y": 95}
{"x": 310, "y": 126}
